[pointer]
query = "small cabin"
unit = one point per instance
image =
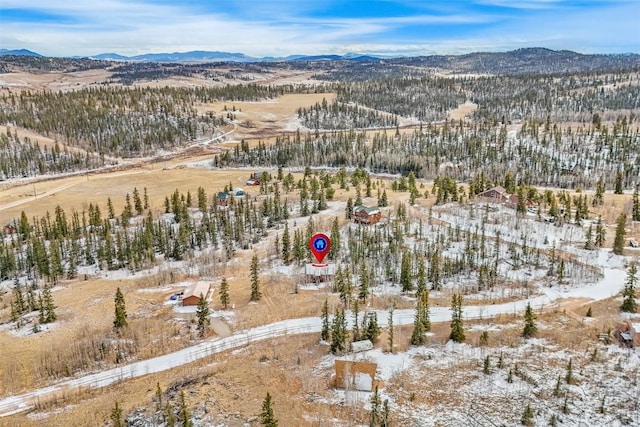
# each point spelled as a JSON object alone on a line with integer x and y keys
{"x": 629, "y": 334}
{"x": 192, "y": 294}
{"x": 498, "y": 194}
{"x": 223, "y": 198}
{"x": 366, "y": 215}
{"x": 256, "y": 178}
{"x": 319, "y": 273}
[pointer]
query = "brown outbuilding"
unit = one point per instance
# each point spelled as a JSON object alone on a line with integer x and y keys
{"x": 192, "y": 294}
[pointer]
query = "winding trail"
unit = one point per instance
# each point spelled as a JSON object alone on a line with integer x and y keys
{"x": 608, "y": 286}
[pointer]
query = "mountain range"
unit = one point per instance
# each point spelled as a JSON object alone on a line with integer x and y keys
{"x": 212, "y": 56}
{"x": 533, "y": 59}
{"x": 201, "y": 56}
{"x": 18, "y": 52}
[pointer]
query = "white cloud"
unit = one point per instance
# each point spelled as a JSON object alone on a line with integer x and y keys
{"x": 522, "y": 4}
{"x": 133, "y": 27}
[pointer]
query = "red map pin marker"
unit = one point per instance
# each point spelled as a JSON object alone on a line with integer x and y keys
{"x": 320, "y": 244}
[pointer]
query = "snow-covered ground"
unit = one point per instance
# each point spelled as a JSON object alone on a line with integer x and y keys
{"x": 609, "y": 285}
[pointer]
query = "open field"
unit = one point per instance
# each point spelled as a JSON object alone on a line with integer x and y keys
{"x": 266, "y": 118}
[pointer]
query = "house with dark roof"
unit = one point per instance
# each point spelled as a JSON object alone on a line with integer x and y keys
{"x": 222, "y": 198}
{"x": 366, "y": 215}
{"x": 257, "y": 177}
{"x": 497, "y": 194}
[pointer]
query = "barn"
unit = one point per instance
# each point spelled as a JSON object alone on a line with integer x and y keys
{"x": 192, "y": 294}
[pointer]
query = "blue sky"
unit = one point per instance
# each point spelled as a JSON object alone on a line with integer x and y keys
{"x": 283, "y": 27}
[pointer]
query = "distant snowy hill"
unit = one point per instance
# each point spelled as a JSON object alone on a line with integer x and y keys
{"x": 18, "y": 52}
{"x": 213, "y": 56}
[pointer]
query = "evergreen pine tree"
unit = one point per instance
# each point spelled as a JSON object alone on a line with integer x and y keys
{"x": 338, "y": 332}
{"x": 255, "y": 279}
{"x": 349, "y": 209}
{"x": 267, "y": 418}
{"x": 363, "y": 291}
{"x": 47, "y": 306}
{"x": 618, "y": 185}
{"x": 324, "y": 316}
{"x": 335, "y": 239}
{"x": 601, "y": 233}
{"x": 356, "y": 325}
{"x": 390, "y": 324}
{"x": 110, "y": 211}
{"x": 598, "y": 198}
{"x": 424, "y": 310}
{"x": 120, "y": 320}
{"x": 375, "y": 414}
{"x": 434, "y": 271}
{"x": 386, "y": 414}
{"x": 405, "y": 272}
{"x": 185, "y": 416}
{"x": 116, "y": 416}
{"x": 457, "y": 324}
{"x": 383, "y": 201}
{"x": 422, "y": 278}
{"x": 568, "y": 377}
{"x": 527, "y": 416}
{"x": 484, "y": 338}
{"x": 487, "y": 365}
{"x": 137, "y": 202}
{"x": 202, "y": 200}
{"x": 635, "y": 210}
{"x": 158, "y": 397}
{"x": 618, "y": 242}
{"x": 41, "y": 313}
{"x": 127, "y": 212}
{"x": 588, "y": 244}
{"x": 629, "y": 303}
{"x": 202, "y": 314}
{"x": 18, "y": 298}
{"x": 418, "y": 335}
{"x": 558, "y": 388}
{"x": 169, "y": 416}
{"x": 224, "y": 293}
{"x": 145, "y": 198}
{"x": 370, "y": 329}
{"x": 286, "y": 244}
{"x": 529, "y": 323}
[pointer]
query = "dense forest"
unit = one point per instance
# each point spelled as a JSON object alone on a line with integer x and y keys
{"x": 127, "y": 122}
{"x": 538, "y": 154}
{"x": 26, "y": 158}
{"x": 563, "y": 129}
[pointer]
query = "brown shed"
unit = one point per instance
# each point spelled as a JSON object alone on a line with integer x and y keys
{"x": 192, "y": 294}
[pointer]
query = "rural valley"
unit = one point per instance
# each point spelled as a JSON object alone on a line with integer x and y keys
{"x": 483, "y": 214}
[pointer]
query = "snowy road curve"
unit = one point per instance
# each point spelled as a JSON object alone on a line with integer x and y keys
{"x": 610, "y": 285}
